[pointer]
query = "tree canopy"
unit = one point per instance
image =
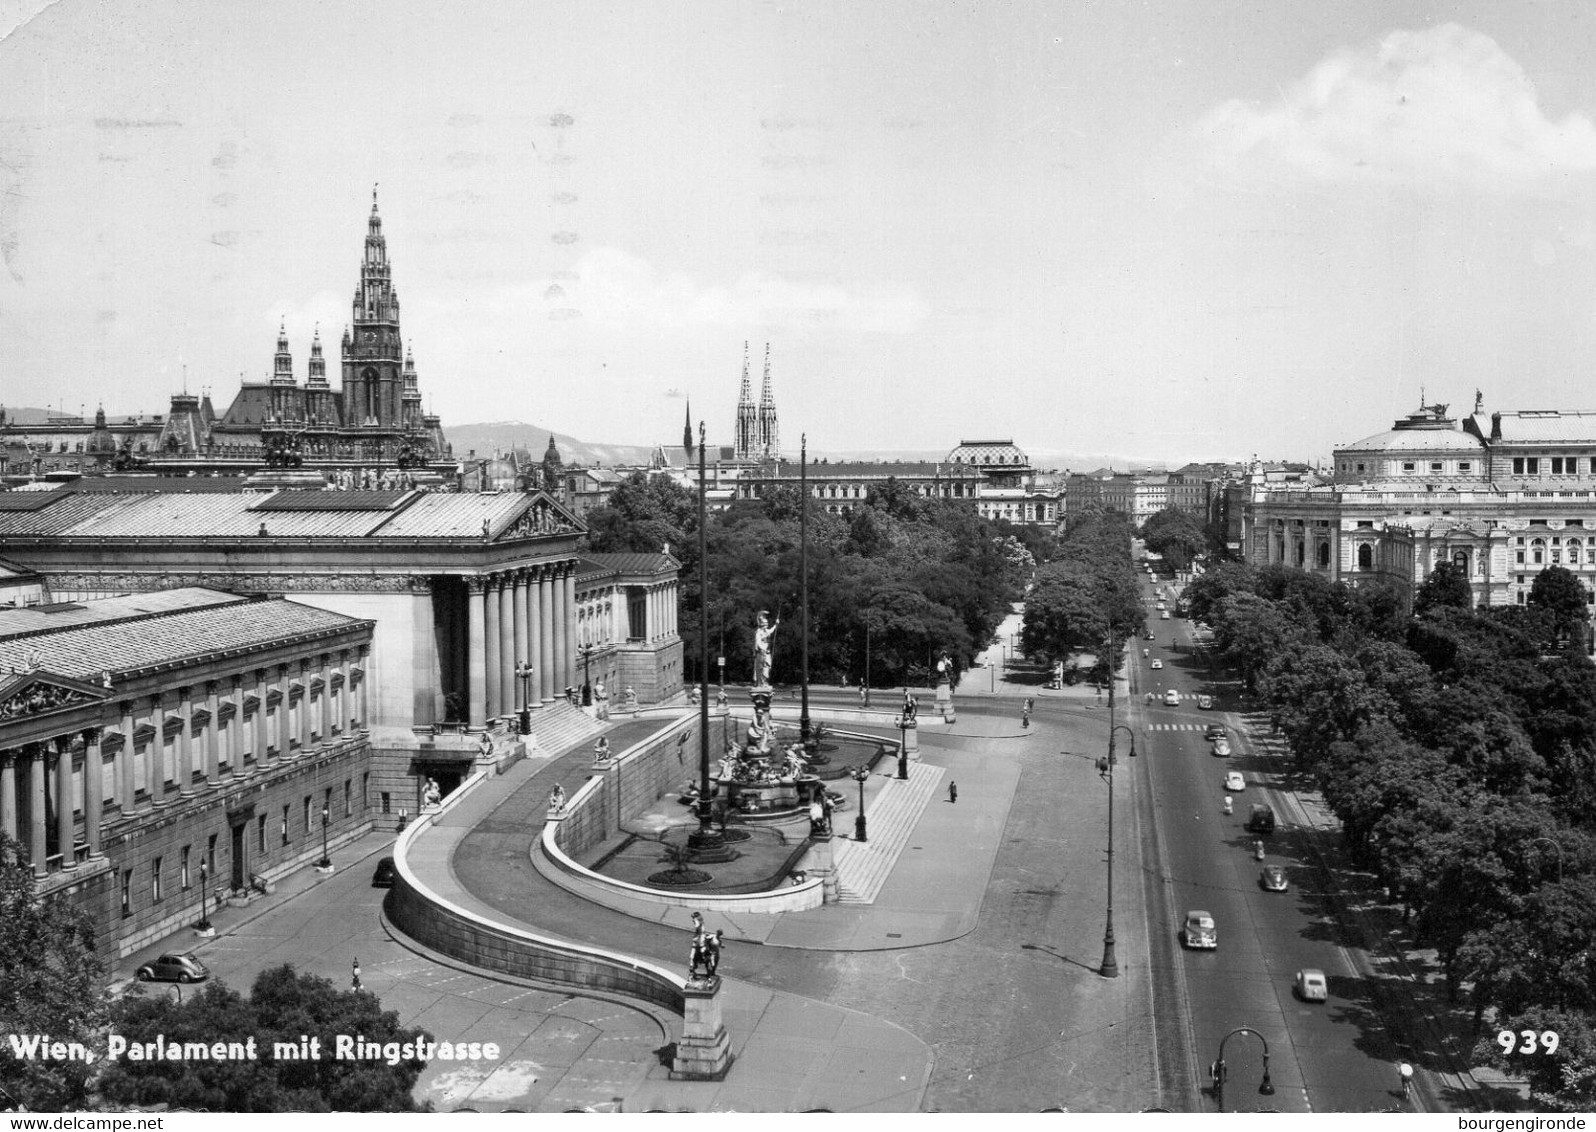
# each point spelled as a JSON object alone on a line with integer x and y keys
{"x": 51, "y": 982}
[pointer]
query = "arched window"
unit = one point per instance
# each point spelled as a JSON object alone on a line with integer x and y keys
{"x": 1365, "y": 556}
{"x": 1324, "y": 555}
{"x": 1460, "y": 559}
{"x": 1537, "y": 551}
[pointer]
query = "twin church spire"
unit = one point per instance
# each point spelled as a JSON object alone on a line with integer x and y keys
{"x": 757, "y": 434}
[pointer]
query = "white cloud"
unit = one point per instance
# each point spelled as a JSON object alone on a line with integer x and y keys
{"x": 615, "y": 288}
{"x": 1445, "y": 105}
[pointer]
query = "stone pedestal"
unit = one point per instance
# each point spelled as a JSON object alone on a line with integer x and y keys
{"x": 822, "y": 863}
{"x": 911, "y": 739}
{"x": 945, "y": 701}
{"x": 704, "y": 1051}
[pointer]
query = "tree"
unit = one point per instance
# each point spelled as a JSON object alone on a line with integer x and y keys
{"x": 51, "y": 983}
{"x": 1562, "y": 595}
{"x": 644, "y": 514}
{"x": 1447, "y": 586}
{"x": 283, "y": 1006}
{"x": 1177, "y": 536}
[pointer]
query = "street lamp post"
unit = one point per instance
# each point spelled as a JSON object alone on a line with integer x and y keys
{"x": 704, "y": 843}
{"x": 860, "y": 774}
{"x": 867, "y": 661}
{"x": 803, "y": 585}
{"x": 204, "y": 922}
{"x": 1218, "y": 1070}
{"x": 587, "y": 674}
{"x": 325, "y": 862}
{"x": 903, "y": 747}
{"x": 1110, "y": 967}
{"x": 524, "y": 671}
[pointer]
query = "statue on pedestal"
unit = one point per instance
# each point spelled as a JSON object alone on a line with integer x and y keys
{"x": 763, "y": 632}
{"x": 557, "y": 799}
{"x": 705, "y": 952}
{"x": 430, "y": 794}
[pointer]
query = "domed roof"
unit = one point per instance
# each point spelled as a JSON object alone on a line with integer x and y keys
{"x": 1418, "y": 440}
{"x": 985, "y": 452}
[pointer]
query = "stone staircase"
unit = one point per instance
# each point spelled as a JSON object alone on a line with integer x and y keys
{"x": 558, "y": 727}
{"x": 890, "y": 819}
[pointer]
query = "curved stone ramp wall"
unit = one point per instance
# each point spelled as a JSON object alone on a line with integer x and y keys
{"x": 499, "y": 945}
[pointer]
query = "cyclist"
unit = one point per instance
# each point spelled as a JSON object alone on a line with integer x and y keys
{"x": 1405, "y": 1072}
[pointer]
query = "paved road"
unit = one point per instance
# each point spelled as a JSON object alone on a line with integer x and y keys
{"x": 1329, "y": 1057}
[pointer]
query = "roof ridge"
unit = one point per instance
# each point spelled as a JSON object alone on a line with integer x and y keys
{"x": 148, "y": 615}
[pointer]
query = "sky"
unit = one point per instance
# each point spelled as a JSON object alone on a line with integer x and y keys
{"x": 1167, "y": 230}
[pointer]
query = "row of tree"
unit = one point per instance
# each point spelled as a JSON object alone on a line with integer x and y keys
{"x": 1086, "y": 596}
{"x": 1458, "y": 748}
{"x": 892, "y": 585}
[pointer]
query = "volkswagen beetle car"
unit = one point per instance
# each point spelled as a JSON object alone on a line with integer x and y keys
{"x": 1157, "y": 663}
{"x": 1200, "y": 932}
{"x": 1172, "y": 698}
{"x": 1234, "y": 781}
{"x": 1221, "y": 748}
{"x": 1272, "y": 878}
{"x": 174, "y": 967}
{"x": 1310, "y": 985}
{"x": 1205, "y": 703}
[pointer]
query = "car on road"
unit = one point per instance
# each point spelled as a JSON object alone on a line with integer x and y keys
{"x": 1150, "y": 635}
{"x": 1159, "y": 607}
{"x": 1164, "y": 616}
{"x": 174, "y": 967}
{"x": 1205, "y": 703}
{"x": 1234, "y": 781}
{"x": 1172, "y": 698}
{"x": 1261, "y": 819}
{"x": 1221, "y": 748}
{"x": 1272, "y": 878}
{"x": 1199, "y": 933}
{"x": 1214, "y": 731}
{"x": 384, "y": 874}
{"x": 1310, "y": 985}
{"x": 1157, "y": 663}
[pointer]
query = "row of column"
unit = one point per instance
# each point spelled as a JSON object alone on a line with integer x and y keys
{"x": 661, "y": 610}
{"x": 336, "y": 709}
{"x": 519, "y": 618}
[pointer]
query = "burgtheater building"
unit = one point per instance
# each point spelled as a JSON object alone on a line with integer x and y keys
{"x": 1503, "y": 495}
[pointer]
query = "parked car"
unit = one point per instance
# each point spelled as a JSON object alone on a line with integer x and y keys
{"x": 1272, "y": 878}
{"x": 383, "y": 877}
{"x": 1234, "y": 781}
{"x": 1221, "y": 748}
{"x": 1157, "y": 663}
{"x": 1310, "y": 985}
{"x": 1205, "y": 703}
{"x": 1172, "y": 698}
{"x": 1200, "y": 933}
{"x": 174, "y": 967}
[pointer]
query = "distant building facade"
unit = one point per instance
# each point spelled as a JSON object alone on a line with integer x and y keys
{"x": 1502, "y": 496}
{"x": 372, "y": 423}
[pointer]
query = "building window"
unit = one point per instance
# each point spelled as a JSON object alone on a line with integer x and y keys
{"x": 155, "y": 880}
{"x": 1408, "y": 465}
{"x": 1518, "y": 557}
{"x": 348, "y": 797}
{"x": 1520, "y": 597}
{"x": 1365, "y": 557}
{"x": 260, "y": 834}
{"x": 127, "y": 893}
{"x": 1557, "y": 465}
{"x": 183, "y": 868}
{"x": 285, "y": 825}
{"x": 1518, "y": 465}
{"x": 307, "y": 815}
{"x": 1532, "y": 465}
{"x": 1465, "y": 466}
{"x": 1538, "y": 552}
{"x": 386, "y": 802}
{"x": 210, "y": 854}
{"x": 1435, "y": 466}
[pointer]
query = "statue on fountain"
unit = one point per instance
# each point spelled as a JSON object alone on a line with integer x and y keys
{"x": 795, "y": 763}
{"x": 764, "y": 630}
{"x": 760, "y": 731}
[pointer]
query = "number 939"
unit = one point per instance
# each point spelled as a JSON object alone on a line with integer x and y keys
{"x": 1528, "y": 1041}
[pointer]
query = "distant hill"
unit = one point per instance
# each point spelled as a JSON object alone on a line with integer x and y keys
{"x": 501, "y": 436}
{"x": 22, "y": 415}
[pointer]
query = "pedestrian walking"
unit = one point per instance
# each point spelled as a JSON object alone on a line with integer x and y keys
{"x": 953, "y": 791}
